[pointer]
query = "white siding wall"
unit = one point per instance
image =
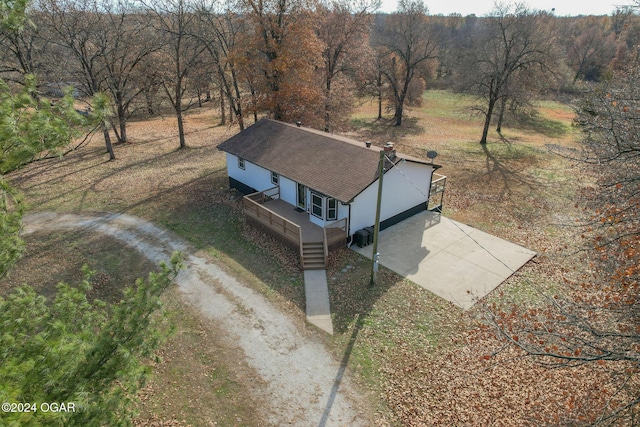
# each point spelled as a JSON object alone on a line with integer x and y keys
{"x": 252, "y": 175}
{"x": 317, "y": 221}
{"x": 288, "y": 190}
{"x": 398, "y": 194}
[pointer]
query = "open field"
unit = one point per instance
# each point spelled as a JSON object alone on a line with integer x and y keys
{"x": 410, "y": 349}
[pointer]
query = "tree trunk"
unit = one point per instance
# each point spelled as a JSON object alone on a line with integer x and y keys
{"x": 223, "y": 117}
{"x": 149, "y": 99}
{"x": 123, "y": 130}
{"x": 278, "y": 114}
{"x": 254, "y": 101}
{"x": 503, "y": 106}
{"x": 327, "y": 117}
{"x": 327, "y": 106}
{"x": 487, "y": 120}
{"x": 398, "y": 115}
{"x": 240, "y": 121}
{"x": 107, "y": 141}
{"x": 183, "y": 143}
{"x": 379, "y": 87}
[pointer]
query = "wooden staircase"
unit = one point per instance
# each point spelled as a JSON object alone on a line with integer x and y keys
{"x": 313, "y": 256}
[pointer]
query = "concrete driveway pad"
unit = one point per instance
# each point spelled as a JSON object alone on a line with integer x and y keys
{"x": 454, "y": 261}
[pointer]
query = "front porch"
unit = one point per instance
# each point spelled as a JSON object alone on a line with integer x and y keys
{"x": 266, "y": 210}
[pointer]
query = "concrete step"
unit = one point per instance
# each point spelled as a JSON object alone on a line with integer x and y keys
{"x": 313, "y": 266}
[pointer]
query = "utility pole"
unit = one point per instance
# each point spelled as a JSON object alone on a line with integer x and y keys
{"x": 376, "y": 226}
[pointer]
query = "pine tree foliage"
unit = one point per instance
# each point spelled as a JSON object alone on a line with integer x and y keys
{"x": 73, "y": 350}
{"x": 30, "y": 128}
{"x": 86, "y": 355}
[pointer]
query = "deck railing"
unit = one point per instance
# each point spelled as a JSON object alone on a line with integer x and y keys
{"x": 264, "y": 196}
{"x": 254, "y": 210}
{"x": 335, "y": 234}
{"x": 436, "y": 194}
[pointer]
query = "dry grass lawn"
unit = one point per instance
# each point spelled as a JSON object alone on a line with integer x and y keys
{"x": 415, "y": 351}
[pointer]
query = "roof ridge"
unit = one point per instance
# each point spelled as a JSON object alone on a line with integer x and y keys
{"x": 335, "y": 137}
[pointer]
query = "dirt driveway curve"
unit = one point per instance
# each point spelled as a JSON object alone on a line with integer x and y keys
{"x": 300, "y": 381}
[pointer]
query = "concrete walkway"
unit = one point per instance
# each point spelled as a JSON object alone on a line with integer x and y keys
{"x": 316, "y": 291}
{"x": 454, "y": 261}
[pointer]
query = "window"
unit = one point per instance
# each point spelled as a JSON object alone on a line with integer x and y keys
{"x": 316, "y": 205}
{"x": 275, "y": 178}
{"x": 332, "y": 209}
{"x": 302, "y": 197}
{"x": 241, "y": 163}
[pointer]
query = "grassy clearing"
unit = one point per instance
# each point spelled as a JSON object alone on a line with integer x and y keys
{"x": 513, "y": 187}
{"x": 194, "y": 383}
{"x": 54, "y": 257}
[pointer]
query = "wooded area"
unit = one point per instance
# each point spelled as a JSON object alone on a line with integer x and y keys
{"x": 306, "y": 61}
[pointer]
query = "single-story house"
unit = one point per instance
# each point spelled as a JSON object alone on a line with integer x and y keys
{"x": 317, "y": 190}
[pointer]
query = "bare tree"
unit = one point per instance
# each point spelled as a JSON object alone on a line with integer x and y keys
{"x": 343, "y": 29}
{"x": 176, "y": 23}
{"x": 410, "y": 43}
{"x": 74, "y": 26}
{"x": 125, "y": 38}
{"x": 507, "y": 48}
{"x": 592, "y": 47}
{"x": 21, "y": 51}
{"x": 370, "y": 78}
{"x": 219, "y": 31}
{"x": 596, "y": 319}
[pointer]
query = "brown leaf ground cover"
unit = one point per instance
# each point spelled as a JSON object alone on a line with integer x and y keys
{"x": 420, "y": 355}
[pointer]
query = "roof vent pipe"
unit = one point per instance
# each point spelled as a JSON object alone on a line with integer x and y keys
{"x": 298, "y": 124}
{"x": 368, "y": 144}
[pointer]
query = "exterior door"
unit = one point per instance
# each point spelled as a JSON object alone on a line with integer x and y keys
{"x": 302, "y": 196}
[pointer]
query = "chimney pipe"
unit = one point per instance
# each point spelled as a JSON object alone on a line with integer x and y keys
{"x": 368, "y": 144}
{"x": 298, "y": 124}
{"x": 390, "y": 151}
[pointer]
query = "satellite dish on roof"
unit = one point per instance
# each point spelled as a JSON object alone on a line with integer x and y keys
{"x": 432, "y": 154}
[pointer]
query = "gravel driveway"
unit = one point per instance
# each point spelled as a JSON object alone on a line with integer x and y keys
{"x": 300, "y": 381}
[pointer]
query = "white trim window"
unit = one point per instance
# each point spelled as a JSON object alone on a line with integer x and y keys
{"x": 241, "y": 163}
{"x": 317, "y": 205}
{"x": 332, "y": 209}
{"x": 275, "y": 178}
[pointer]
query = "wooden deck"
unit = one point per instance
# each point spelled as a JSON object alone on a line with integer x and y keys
{"x": 265, "y": 209}
{"x": 310, "y": 231}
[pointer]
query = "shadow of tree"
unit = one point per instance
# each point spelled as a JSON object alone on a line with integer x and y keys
{"x": 497, "y": 168}
{"x": 533, "y": 121}
{"x": 385, "y": 129}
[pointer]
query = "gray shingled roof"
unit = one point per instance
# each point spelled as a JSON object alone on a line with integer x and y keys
{"x": 336, "y": 166}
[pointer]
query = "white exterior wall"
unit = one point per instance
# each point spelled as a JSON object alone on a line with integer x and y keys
{"x": 252, "y": 175}
{"x": 317, "y": 221}
{"x": 398, "y": 194}
{"x": 287, "y": 190}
